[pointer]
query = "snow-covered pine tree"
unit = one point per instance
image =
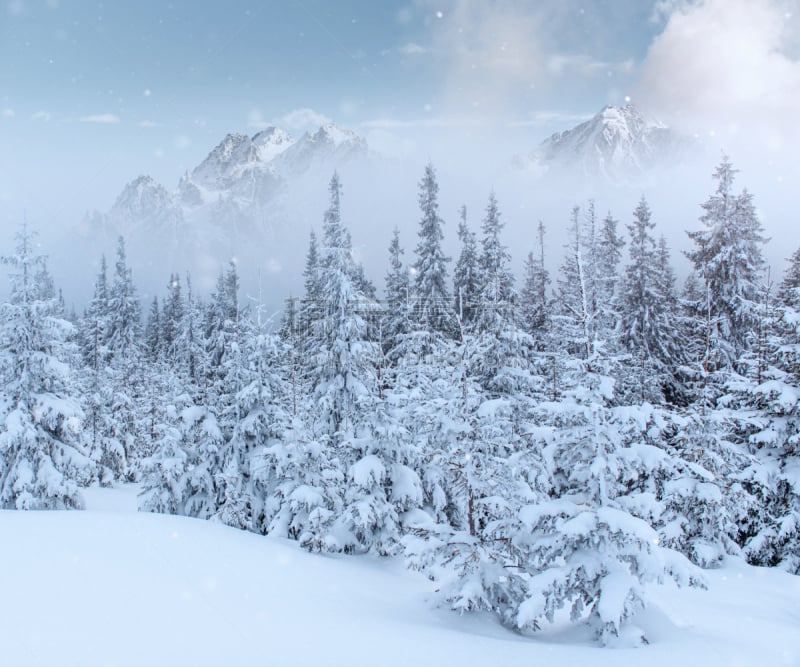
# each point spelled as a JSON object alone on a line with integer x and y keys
{"x": 647, "y": 328}
{"x": 500, "y": 358}
{"x": 310, "y": 303}
{"x": 432, "y": 304}
{"x": 152, "y": 331}
{"x": 466, "y": 273}
{"x": 609, "y": 256}
{"x": 593, "y": 545}
{"x": 396, "y": 320}
{"x": 172, "y": 315}
{"x": 762, "y": 407}
{"x": 534, "y": 304}
{"x": 573, "y": 312}
{"x": 94, "y": 324}
{"x": 789, "y": 291}
{"x": 343, "y": 383}
{"x": 43, "y": 460}
{"x": 125, "y": 347}
{"x": 728, "y": 257}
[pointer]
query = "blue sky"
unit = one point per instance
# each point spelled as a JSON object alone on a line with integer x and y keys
{"x": 92, "y": 94}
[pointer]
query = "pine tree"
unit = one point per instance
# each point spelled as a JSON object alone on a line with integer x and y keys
{"x": 609, "y": 256}
{"x": 310, "y": 306}
{"x": 172, "y": 315}
{"x": 43, "y": 460}
{"x": 94, "y": 324}
{"x": 647, "y": 326}
{"x": 341, "y": 365}
{"x": 432, "y": 311}
{"x": 396, "y": 322}
{"x": 789, "y": 293}
{"x": 124, "y": 329}
{"x": 342, "y": 376}
{"x": 728, "y": 257}
{"x": 152, "y": 332}
{"x": 534, "y": 304}
{"x": 466, "y": 274}
{"x": 574, "y": 314}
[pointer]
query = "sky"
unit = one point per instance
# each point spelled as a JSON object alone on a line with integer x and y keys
{"x": 93, "y": 94}
{"x": 123, "y": 88}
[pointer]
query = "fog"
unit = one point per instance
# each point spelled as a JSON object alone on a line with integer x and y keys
{"x": 97, "y": 96}
{"x": 380, "y": 192}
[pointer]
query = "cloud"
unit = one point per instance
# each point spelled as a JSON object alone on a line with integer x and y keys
{"x": 8, "y": 113}
{"x": 404, "y": 124}
{"x": 148, "y": 123}
{"x": 43, "y": 116}
{"x": 561, "y": 64}
{"x": 726, "y": 66}
{"x": 548, "y": 117}
{"x": 412, "y": 49}
{"x": 488, "y": 51}
{"x": 297, "y": 120}
{"x": 102, "y": 118}
{"x": 302, "y": 119}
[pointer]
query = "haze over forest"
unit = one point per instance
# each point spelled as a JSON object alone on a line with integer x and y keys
{"x": 469, "y": 86}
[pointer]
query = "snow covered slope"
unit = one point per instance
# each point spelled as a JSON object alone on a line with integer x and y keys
{"x": 112, "y": 587}
{"x": 618, "y": 143}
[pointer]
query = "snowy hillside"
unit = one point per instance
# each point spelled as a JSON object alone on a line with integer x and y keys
{"x": 618, "y": 144}
{"x": 113, "y": 587}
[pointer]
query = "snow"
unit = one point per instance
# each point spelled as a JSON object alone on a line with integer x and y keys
{"x": 109, "y": 586}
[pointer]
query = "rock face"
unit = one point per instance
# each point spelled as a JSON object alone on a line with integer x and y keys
{"x": 618, "y": 144}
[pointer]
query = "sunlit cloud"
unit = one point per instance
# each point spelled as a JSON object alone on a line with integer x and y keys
{"x": 8, "y": 113}
{"x": 488, "y": 52}
{"x": 43, "y": 116}
{"x": 723, "y": 66}
{"x": 102, "y": 118}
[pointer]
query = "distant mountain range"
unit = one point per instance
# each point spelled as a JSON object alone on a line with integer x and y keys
{"x": 620, "y": 144}
{"x": 238, "y": 186}
{"x": 241, "y": 191}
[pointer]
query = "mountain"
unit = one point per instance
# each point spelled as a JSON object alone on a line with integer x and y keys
{"x": 618, "y": 143}
{"x": 237, "y": 187}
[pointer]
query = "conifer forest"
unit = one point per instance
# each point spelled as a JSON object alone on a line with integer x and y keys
{"x": 541, "y": 446}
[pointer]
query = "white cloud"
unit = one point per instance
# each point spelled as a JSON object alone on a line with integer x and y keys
{"x": 302, "y": 119}
{"x": 148, "y": 123}
{"x": 412, "y": 49}
{"x": 404, "y": 124}
{"x": 103, "y": 118}
{"x": 43, "y": 116}
{"x": 297, "y": 120}
{"x": 489, "y": 51}
{"x": 724, "y": 65}
{"x": 578, "y": 63}
{"x": 548, "y": 117}
{"x": 8, "y": 113}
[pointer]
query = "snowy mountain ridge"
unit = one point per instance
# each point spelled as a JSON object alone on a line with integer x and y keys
{"x": 618, "y": 144}
{"x": 240, "y": 178}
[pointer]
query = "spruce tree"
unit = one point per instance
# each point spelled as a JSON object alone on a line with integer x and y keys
{"x": 432, "y": 305}
{"x": 43, "y": 460}
{"x": 534, "y": 303}
{"x": 728, "y": 258}
{"x": 466, "y": 274}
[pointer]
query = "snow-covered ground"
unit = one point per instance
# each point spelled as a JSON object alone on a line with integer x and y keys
{"x": 110, "y": 586}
